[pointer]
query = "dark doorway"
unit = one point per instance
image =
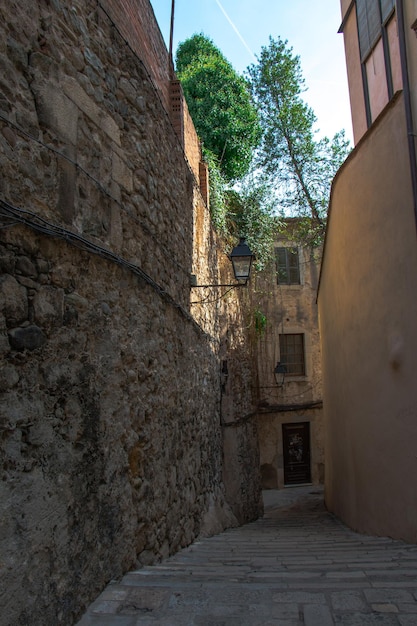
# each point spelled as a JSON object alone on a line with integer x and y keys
{"x": 296, "y": 444}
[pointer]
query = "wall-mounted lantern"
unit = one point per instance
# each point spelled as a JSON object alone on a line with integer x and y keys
{"x": 241, "y": 258}
{"x": 279, "y": 373}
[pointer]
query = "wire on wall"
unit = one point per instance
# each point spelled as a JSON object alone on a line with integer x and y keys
{"x": 207, "y": 301}
{"x": 39, "y": 224}
{"x": 96, "y": 182}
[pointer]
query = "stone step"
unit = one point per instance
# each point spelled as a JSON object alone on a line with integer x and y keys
{"x": 298, "y": 566}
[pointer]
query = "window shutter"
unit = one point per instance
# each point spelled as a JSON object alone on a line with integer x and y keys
{"x": 386, "y": 8}
{"x": 369, "y": 24}
{"x": 294, "y": 266}
{"x": 281, "y": 254}
{"x": 288, "y": 266}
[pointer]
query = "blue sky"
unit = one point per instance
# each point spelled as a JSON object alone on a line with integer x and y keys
{"x": 241, "y": 27}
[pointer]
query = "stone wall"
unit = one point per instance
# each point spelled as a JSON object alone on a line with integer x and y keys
{"x": 110, "y": 393}
{"x": 136, "y": 22}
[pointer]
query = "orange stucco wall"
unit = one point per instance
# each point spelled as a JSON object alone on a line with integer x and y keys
{"x": 394, "y": 50}
{"x": 368, "y": 311}
{"x": 375, "y": 69}
{"x": 377, "y": 82}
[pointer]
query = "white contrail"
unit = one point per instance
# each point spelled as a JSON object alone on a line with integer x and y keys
{"x": 236, "y": 30}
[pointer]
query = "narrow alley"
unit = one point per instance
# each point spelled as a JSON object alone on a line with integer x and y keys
{"x": 297, "y": 565}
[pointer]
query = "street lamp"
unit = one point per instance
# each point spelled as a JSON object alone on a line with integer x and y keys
{"x": 241, "y": 258}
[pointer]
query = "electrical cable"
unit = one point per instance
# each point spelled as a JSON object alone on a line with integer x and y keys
{"x": 273, "y": 408}
{"x": 207, "y": 301}
{"x": 282, "y": 408}
{"x": 41, "y": 225}
{"x": 98, "y": 184}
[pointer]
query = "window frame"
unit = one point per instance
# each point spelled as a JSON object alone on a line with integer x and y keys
{"x": 292, "y": 347}
{"x": 287, "y": 267}
{"x": 385, "y": 10}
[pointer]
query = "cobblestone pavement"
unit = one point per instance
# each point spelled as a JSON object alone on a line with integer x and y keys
{"x": 298, "y": 565}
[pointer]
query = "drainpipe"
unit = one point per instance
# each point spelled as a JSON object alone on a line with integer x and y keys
{"x": 407, "y": 103}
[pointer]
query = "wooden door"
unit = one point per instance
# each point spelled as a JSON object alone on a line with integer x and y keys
{"x": 296, "y": 444}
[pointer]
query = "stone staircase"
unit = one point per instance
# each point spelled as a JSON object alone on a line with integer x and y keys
{"x": 298, "y": 565}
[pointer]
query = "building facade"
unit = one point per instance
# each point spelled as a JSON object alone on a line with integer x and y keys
{"x": 290, "y": 414}
{"x": 368, "y": 283}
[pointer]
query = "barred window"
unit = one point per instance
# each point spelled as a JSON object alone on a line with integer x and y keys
{"x": 291, "y": 348}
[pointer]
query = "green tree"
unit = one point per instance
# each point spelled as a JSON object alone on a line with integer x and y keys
{"x": 290, "y": 160}
{"x": 251, "y": 211}
{"x": 220, "y": 105}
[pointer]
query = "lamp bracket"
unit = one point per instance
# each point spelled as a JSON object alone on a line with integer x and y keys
{"x": 193, "y": 283}
{"x": 235, "y": 285}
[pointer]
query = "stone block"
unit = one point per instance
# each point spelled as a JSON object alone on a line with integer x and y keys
{"x": 384, "y": 607}
{"x": 56, "y": 111}
{"x": 147, "y": 557}
{"x": 4, "y": 344}
{"x": 7, "y": 262}
{"x": 9, "y": 377}
{"x": 17, "y": 54}
{"x": 25, "y": 266}
{"x": 74, "y": 299}
{"x": 13, "y": 301}
{"x": 317, "y": 615}
{"x": 48, "y": 306}
{"x": 27, "y": 338}
{"x": 299, "y": 597}
{"x": 348, "y": 601}
{"x": 93, "y": 60}
{"x": 128, "y": 90}
{"x": 116, "y": 228}
{"x": 121, "y": 173}
{"x": 66, "y": 197}
{"x": 388, "y": 595}
{"x": 87, "y": 105}
{"x": 10, "y": 136}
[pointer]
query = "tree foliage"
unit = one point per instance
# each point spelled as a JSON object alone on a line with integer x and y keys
{"x": 250, "y": 211}
{"x": 220, "y": 105}
{"x": 263, "y": 115}
{"x": 218, "y": 191}
{"x": 290, "y": 160}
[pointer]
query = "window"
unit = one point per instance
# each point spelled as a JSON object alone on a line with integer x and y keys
{"x": 288, "y": 266}
{"x": 291, "y": 348}
{"x": 371, "y": 15}
{"x": 379, "y": 53}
